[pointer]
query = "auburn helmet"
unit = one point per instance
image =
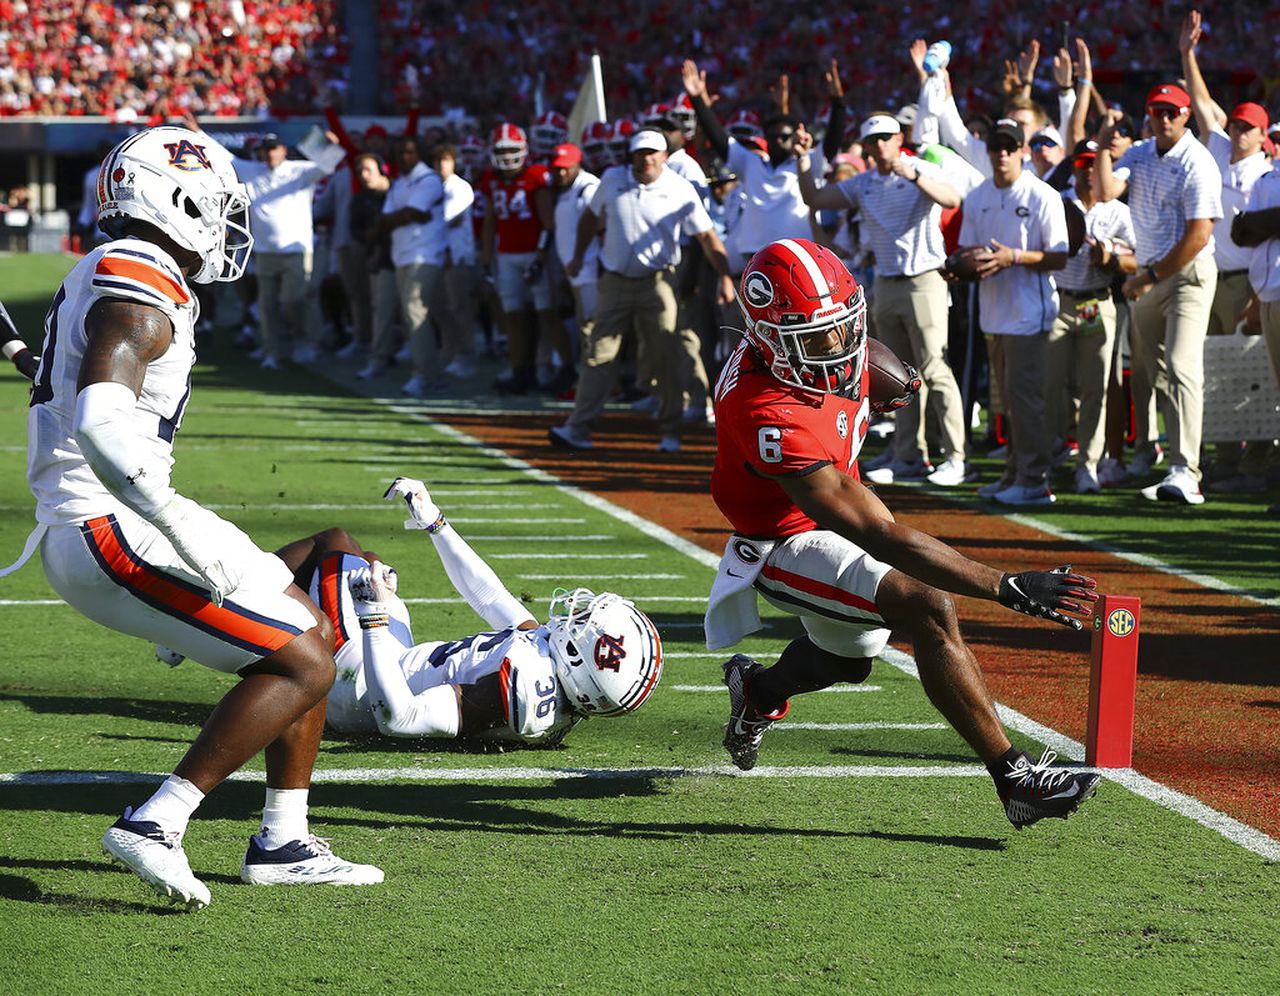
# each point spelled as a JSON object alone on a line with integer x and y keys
{"x": 806, "y": 316}
{"x": 508, "y": 148}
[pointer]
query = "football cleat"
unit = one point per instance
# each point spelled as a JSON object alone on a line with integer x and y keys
{"x": 303, "y": 862}
{"x": 1035, "y": 791}
{"x": 157, "y": 858}
{"x": 747, "y": 725}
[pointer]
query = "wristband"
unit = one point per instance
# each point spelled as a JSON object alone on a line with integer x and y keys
{"x": 13, "y": 347}
{"x": 373, "y": 622}
{"x": 914, "y": 177}
{"x": 1017, "y": 257}
{"x": 436, "y": 526}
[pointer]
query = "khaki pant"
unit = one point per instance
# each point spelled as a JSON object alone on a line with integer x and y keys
{"x": 457, "y": 313}
{"x": 385, "y": 303}
{"x": 1167, "y": 342}
{"x": 1079, "y": 357}
{"x": 911, "y": 319}
{"x": 693, "y": 375}
{"x": 1229, "y": 298}
{"x": 646, "y": 307}
{"x": 1021, "y": 358}
{"x": 284, "y": 278}
{"x": 353, "y": 267}
{"x": 418, "y": 285}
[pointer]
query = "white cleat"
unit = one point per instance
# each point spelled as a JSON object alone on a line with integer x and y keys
{"x": 303, "y": 862}
{"x": 157, "y": 858}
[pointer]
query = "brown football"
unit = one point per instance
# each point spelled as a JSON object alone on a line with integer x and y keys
{"x": 893, "y": 384}
{"x": 963, "y": 263}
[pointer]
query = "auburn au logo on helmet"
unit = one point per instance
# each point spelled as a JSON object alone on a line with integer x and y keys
{"x": 609, "y": 652}
{"x": 181, "y": 152}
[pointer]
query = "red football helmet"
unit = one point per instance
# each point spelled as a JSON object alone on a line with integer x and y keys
{"x": 682, "y": 113}
{"x": 743, "y": 125}
{"x": 596, "y": 153}
{"x": 471, "y": 152}
{"x": 508, "y": 148}
{"x": 655, "y": 113}
{"x": 620, "y": 140}
{"x": 806, "y": 316}
{"x": 550, "y": 128}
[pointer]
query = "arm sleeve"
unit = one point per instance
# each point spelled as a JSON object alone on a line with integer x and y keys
{"x": 397, "y": 710}
{"x": 476, "y": 581}
{"x": 711, "y": 126}
{"x": 956, "y": 135}
{"x": 107, "y": 436}
{"x": 834, "y": 138}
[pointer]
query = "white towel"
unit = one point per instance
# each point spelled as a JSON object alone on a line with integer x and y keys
{"x": 732, "y": 609}
{"x": 28, "y": 551}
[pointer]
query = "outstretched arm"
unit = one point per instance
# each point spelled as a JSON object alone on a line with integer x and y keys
{"x": 1202, "y": 104}
{"x": 473, "y": 579}
{"x": 695, "y": 85}
{"x": 833, "y": 140}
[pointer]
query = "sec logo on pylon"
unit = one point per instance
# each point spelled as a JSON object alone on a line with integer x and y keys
{"x": 1120, "y": 622}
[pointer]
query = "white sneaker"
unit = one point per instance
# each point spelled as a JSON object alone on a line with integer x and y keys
{"x": 1143, "y": 461}
{"x": 305, "y": 353}
{"x": 900, "y": 470}
{"x": 303, "y": 862}
{"x": 1026, "y": 494}
{"x": 1178, "y": 485}
{"x": 1087, "y": 482}
{"x": 1111, "y": 472}
{"x": 669, "y": 444}
{"x": 269, "y": 363}
{"x": 994, "y": 488}
{"x": 562, "y": 435}
{"x": 414, "y": 387}
{"x": 157, "y": 858}
{"x": 950, "y": 474}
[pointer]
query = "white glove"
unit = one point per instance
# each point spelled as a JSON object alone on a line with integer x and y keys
{"x": 373, "y": 587}
{"x": 195, "y": 532}
{"x": 425, "y": 512}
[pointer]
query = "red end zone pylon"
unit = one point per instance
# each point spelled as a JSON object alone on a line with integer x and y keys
{"x": 1113, "y": 682}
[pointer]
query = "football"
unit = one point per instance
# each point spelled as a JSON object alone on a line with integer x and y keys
{"x": 963, "y": 263}
{"x": 893, "y": 384}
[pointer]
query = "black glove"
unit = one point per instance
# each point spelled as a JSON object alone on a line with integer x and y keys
{"x": 1047, "y": 594}
{"x": 27, "y": 363}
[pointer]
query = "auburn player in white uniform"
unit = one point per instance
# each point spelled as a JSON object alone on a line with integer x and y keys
{"x": 791, "y": 412}
{"x": 597, "y": 655}
{"x": 126, "y": 550}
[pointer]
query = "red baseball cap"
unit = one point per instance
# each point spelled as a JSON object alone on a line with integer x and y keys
{"x": 1169, "y": 93}
{"x": 1251, "y": 113}
{"x": 564, "y": 156}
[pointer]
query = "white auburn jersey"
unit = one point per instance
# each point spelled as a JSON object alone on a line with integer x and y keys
{"x": 66, "y": 490}
{"x": 534, "y": 704}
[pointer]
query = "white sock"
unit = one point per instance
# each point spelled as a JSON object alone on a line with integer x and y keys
{"x": 171, "y": 806}
{"x": 284, "y": 817}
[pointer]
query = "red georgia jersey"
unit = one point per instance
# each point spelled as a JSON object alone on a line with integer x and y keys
{"x": 767, "y": 429}
{"x": 511, "y": 201}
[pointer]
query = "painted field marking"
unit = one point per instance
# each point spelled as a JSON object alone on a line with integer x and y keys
{"x": 860, "y": 726}
{"x": 820, "y": 691}
{"x": 593, "y": 538}
{"x": 29, "y": 778}
{"x": 568, "y": 556}
{"x": 321, "y": 506}
{"x": 32, "y": 601}
{"x": 607, "y": 577}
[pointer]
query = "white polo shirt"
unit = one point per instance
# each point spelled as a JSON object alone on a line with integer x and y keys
{"x": 1237, "y": 181}
{"x": 1105, "y": 220}
{"x": 280, "y": 203}
{"x": 1028, "y": 214}
{"x": 1166, "y": 191}
{"x": 570, "y": 205}
{"x": 422, "y": 243}
{"x": 773, "y": 208}
{"x": 644, "y": 222}
{"x": 900, "y": 224}
{"x": 460, "y": 233}
{"x": 1264, "y": 260}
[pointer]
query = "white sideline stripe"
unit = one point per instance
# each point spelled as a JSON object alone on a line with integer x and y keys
{"x": 32, "y": 601}
{"x": 374, "y": 507}
{"x": 595, "y": 538}
{"x": 567, "y": 556}
{"x": 820, "y": 691}
{"x": 860, "y": 726}
{"x": 1232, "y": 829}
{"x": 645, "y": 599}
{"x": 608, "y": 577}
{"x": 37, "y": 778}
{"x": 1155, "y": 563}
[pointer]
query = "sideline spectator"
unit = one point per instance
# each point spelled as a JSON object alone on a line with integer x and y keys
{"x": 643, "y": 209}
{"x": 1175, "y": 194}
{"x": 899, "y": 204}
{"x": 1020, "y": 219}
{"x": 459, "y": 318}
{"x": 367, "y": 233}
{"x": 576, "y": 188}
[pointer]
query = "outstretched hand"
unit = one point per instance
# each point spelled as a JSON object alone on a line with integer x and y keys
{"x": 1057, "y": 595}
{"x": 1189, "y": 37}
{"x": 695, "y": 82}
{"x": 373, "y": 586}
{"x": 425, "y": 512}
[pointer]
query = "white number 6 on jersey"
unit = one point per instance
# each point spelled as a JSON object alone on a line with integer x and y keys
{"x": 770, "y": 441}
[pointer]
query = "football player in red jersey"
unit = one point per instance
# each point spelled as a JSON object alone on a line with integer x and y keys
{"x": 792, "y": 409}
{"x": 515, "y": 238}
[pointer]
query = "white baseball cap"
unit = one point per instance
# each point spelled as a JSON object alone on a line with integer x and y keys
{"x": 648, "y": 140}
{"x": 879, "y": 124}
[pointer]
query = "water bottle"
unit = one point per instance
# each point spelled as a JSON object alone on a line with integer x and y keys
{"x": 937, "y": 56}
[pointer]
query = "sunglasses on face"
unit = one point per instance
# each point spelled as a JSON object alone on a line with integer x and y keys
{"x": 781, "y": 136}
{"x": 1168, "y": 113}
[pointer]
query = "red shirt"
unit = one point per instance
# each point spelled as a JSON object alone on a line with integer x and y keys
{"x": 767, "y": 429}
{"x": 511, "y": 201}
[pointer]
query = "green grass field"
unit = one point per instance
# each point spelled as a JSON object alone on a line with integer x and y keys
{"x": 626, "y": 861}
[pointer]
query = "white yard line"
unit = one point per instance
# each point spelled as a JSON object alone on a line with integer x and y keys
{"x": 567, "y": 555}
{"x": 820, "y": 691}
{"x": 606, "y": 577}
{"x": 860, "y": 726}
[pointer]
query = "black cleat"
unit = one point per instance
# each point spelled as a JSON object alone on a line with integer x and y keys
{"x": 747, "y": 725}
{"x": 1035, "y": 791}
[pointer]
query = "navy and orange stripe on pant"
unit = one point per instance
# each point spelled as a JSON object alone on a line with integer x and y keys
{"x": 178, "y": 598}
{"x": 330, "y": 593}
